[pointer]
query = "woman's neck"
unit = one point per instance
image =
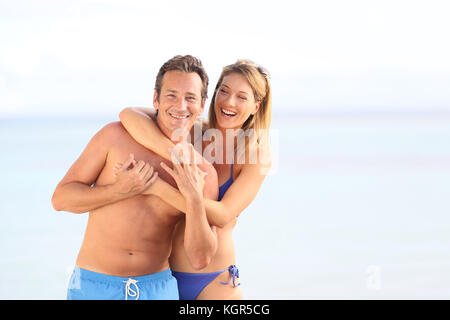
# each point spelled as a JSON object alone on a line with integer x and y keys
{"x": 229, "y": 144}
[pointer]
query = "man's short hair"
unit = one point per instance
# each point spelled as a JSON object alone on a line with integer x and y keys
{"x": 186, "y": 64}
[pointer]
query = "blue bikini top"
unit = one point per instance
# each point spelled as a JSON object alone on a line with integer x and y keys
{"x": 223, "y": 188}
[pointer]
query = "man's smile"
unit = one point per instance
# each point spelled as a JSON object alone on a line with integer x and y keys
{"x": 178, "y": 116}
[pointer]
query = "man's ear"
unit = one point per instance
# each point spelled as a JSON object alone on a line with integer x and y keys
{"x": 155, "y": 100}
{"x": 203, "y": 104}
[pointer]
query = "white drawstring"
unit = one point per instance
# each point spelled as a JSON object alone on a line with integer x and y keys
{"x": 130, "y": 292}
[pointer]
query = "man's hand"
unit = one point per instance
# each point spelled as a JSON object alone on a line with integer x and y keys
{"x": 133, "y": 177}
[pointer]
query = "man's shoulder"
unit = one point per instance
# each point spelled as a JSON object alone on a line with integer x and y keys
{"x": 115, "y": 136}
{"x": 108, "y": 135}
{"x": 113, "y": 127}
{"x": 112, "y": 130}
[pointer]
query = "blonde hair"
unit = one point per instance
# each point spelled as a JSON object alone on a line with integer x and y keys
{"x": 259, "y": 80}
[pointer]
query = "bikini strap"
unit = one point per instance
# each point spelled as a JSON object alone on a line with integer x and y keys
{"x": 232, "y": 162}
{"x": 233, "y": 271}
{"x": 231, "y": 171}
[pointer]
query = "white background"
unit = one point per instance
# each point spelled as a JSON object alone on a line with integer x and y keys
{"x": 97, "y": 56}
{"x": 359, "y": 206}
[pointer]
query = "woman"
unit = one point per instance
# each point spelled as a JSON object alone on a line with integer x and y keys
{"x": 241, "y": 100}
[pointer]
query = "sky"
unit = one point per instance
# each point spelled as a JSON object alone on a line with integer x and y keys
{"x": 98, "y": 56}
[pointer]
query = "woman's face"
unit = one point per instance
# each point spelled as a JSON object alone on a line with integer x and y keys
{"x": 234, "y": 101}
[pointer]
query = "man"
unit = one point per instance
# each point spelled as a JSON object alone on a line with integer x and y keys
{"x": 128, "y": 237}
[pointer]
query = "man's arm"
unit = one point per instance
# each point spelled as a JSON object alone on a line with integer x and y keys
{"x": 76, "y": 192}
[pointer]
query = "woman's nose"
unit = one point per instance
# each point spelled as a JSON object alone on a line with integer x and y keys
{"x": 230, "y": 100}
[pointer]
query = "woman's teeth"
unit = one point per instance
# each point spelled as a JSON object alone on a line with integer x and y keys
{"x": 228, "y": 112}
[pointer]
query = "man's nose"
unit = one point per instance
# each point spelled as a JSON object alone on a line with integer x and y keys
{"x": 181, "y": 104}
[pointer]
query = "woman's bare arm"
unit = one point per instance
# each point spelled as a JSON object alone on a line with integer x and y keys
{"x": 219, "y": 213}
{"x": 241, "y": 193}
{"x": 200, "y": 239}
{"x": 140, "y": 125}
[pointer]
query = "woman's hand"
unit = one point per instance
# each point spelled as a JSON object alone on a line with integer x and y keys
{"x": 189, "y": 178}
{"x": 185, "y": 152}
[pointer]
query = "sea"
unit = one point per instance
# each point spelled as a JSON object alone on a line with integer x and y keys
{"x": 356, "y": 206}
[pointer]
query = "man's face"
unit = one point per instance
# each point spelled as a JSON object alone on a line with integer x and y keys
{"x": 180, "y": 102}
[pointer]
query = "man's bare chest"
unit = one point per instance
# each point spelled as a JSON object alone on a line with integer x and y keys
{"x": 121, "y": 151}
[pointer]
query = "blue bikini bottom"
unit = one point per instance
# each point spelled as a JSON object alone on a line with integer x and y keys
{"x": 191, "y": 284}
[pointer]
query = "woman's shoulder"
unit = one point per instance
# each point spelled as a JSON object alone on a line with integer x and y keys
{"x": 260, "y": 155}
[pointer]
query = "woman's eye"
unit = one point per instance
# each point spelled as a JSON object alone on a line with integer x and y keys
{"x": 223, "y": 91}
{"x": 242, "y": 98}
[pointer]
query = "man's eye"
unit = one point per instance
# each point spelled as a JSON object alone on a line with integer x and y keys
{"x": 191, "y": 98}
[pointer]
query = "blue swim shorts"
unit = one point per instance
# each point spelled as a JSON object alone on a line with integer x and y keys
{"x": 89, "y": 285}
